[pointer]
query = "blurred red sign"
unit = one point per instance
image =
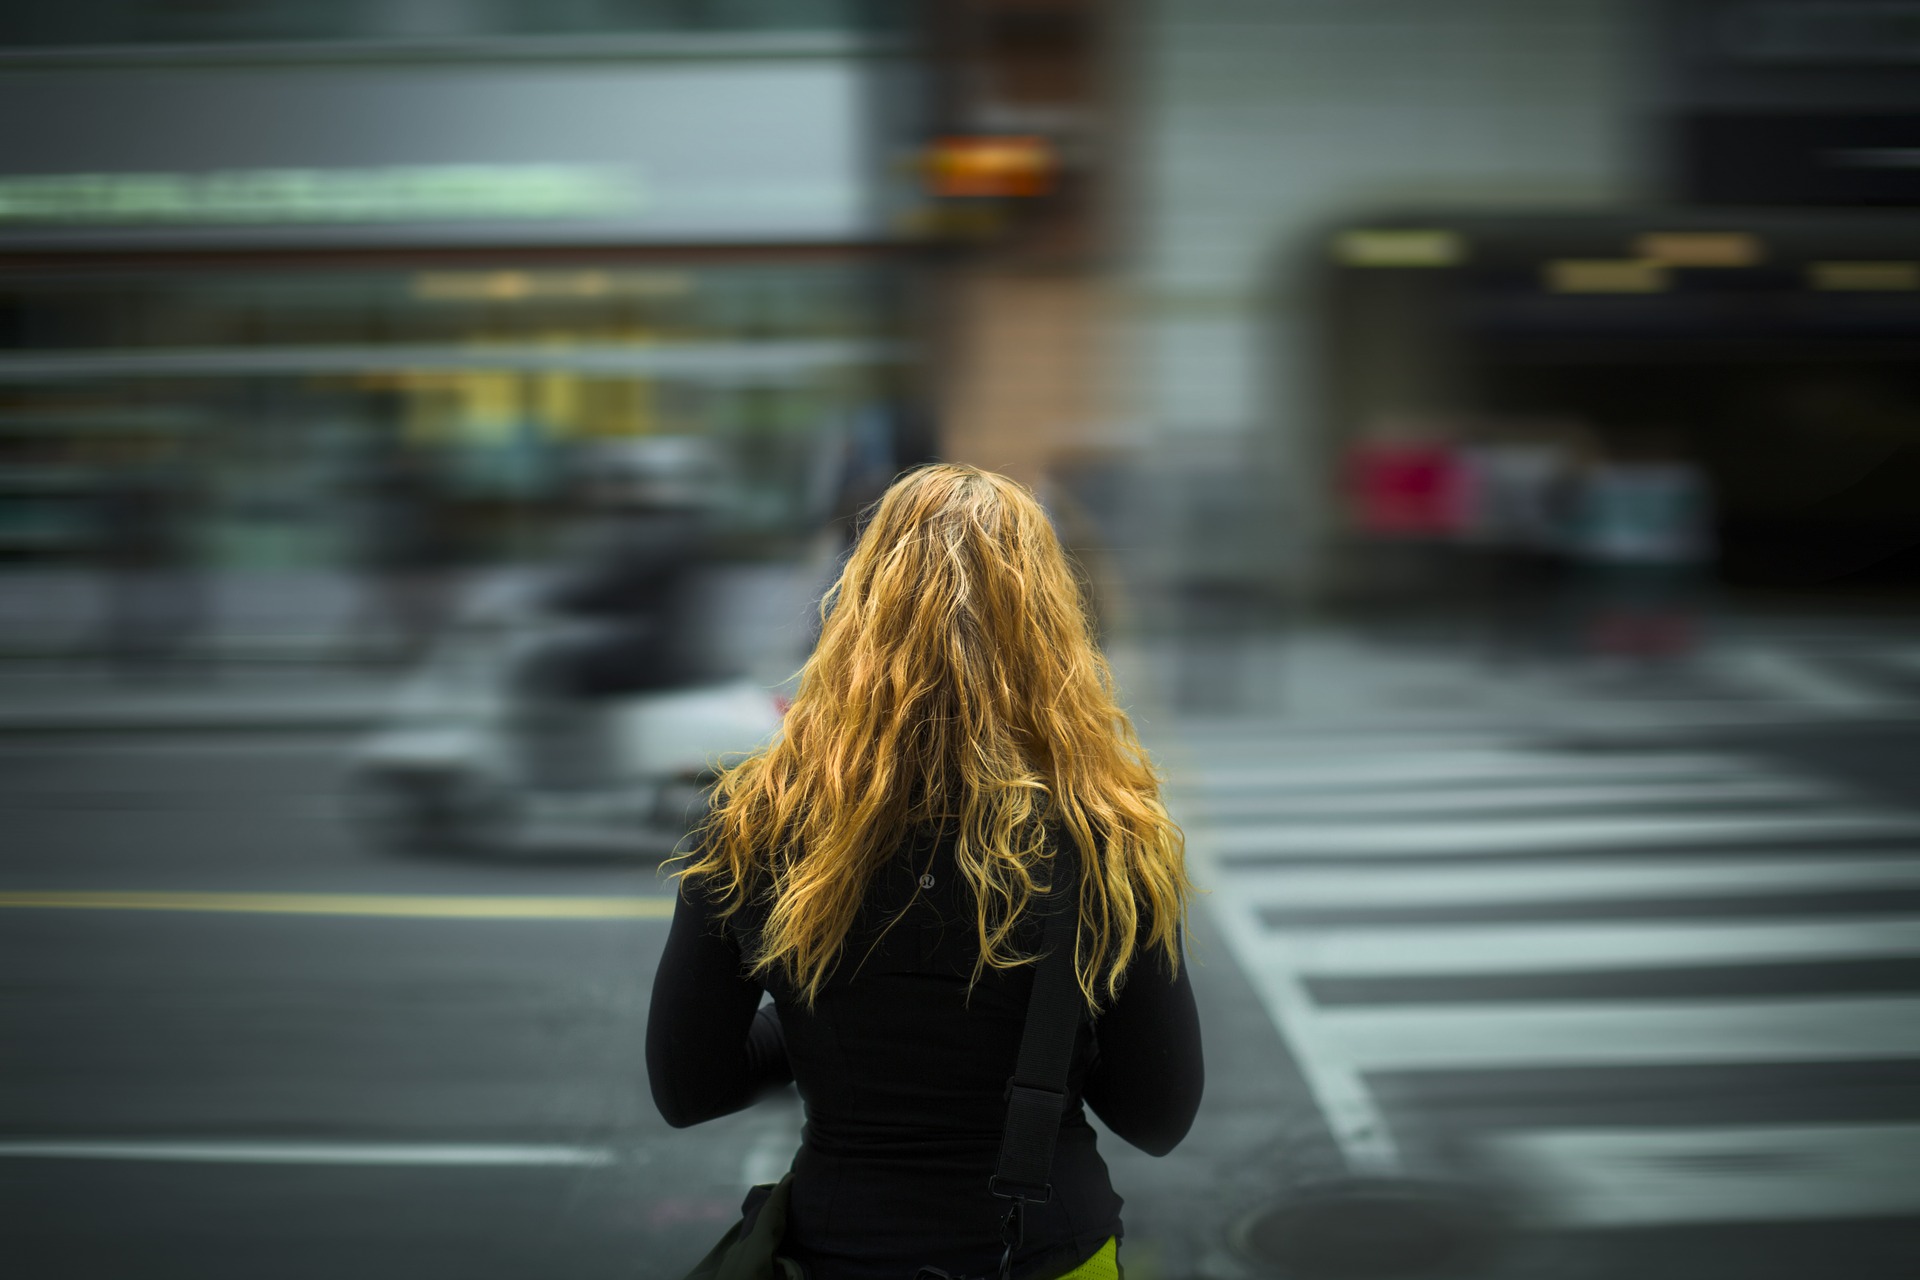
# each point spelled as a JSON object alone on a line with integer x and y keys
{"x": 1407, "y": 489}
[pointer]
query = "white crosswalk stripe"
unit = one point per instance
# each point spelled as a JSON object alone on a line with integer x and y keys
{"x": 1419, "y": 858}
{"x": 1764, "y": 1173}
{"x": 1475, "y": 797}
{"x": 1797, "y": 678}
{"x": 1433, "y": 838}
{"x": 1307, "y": 889}
{"x": 1334, "y": 770}
{"x": 1603, "y": 1033}
{"x": 1372, "y": 951}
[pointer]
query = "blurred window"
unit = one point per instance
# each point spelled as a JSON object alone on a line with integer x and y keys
{"x": 280, "y": 390}
{"x": 105, "y": 23}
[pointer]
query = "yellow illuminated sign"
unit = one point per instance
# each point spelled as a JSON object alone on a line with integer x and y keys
{"x": 1864, "y": 276}
{"x": 993, "y": 166}
{"x": 1605, "y": 275}
{"x": 1396, "y": 247}
{"x": 1700, "y": 248}
{"x": 506, "y": 286}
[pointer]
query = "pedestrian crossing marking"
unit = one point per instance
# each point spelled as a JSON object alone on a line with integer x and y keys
{"x": 1670, "y": 860}
{"x": 1792, "y": 679}
{"x": 1661, "y": 1176}
{"x": 1372, "y": 769}
{"x": 1603, "y": 1033}
{"x": 1544, "y": 835}
{"x": 1305, "y": 889}
{"x": 1452, "y": 950}
{"x": 1273, "y": 740}
{"x": 1507, "y": 799}
{"x": 1343, "y": 1097}
{"x": 415, "y": 906}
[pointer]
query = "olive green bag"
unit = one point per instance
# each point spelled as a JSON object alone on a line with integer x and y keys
{"x": 746, "y": 1252}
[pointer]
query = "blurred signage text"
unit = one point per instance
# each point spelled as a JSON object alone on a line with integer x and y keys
{"x": 1604, "y": 275}
{"x": 1864, "y": 277}
{"x": 1700, "y": 248}
{"x": 1398, "y": 247}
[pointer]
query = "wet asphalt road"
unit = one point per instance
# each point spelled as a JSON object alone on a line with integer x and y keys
{"x": 246, "y": 1093}
{"x": 187, "y": 1092}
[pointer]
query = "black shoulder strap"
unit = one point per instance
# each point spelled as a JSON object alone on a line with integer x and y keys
{"x": 1037, "y": 1093}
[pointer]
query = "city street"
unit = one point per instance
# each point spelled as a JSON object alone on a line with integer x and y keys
{"x": 301, "y": 1083}
{"x": 1484, "y": 441}
{"x": 1643, "y": 996}
{"x": 1645, "y": 974}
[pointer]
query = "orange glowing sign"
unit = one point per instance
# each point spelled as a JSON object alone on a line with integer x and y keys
{"x": 1012, "y": 166}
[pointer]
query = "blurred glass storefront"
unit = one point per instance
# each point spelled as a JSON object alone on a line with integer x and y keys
{"x": 276, "y": 390}
{"x": 1772, "y": 354}
{"x": 314, "y": 269}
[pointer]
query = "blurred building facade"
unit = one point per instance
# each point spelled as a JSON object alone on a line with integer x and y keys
{"x": 1024, "y": 130}
{"x": 1501, "y": 146}
{"x": 1165, "y": 260}
{"x": 1264, "y": 125}
{"x": 328, "y": 262}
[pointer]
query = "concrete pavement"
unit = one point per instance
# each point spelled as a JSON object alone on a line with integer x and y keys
{"x": 383, "y": 1094}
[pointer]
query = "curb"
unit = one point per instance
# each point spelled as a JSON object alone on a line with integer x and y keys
{"x": 61, "y": 721}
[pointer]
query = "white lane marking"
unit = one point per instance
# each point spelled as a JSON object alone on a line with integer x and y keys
{"x": 1792, "y": 678}
{"x": 1234, "y": 739}
{"x": 1448, "y": 885}
{"x": 1344, "y": 1099}
{"x": 344, "y": 1153}
{"x": 1649, "y": 1177}
{"x": 1626, "y": 1032}
{"x": 1543, "y": 835}
{"x": 1536, "y": 948}
{"x": 1373, "y": 769}
{"x": 1507, "y": 799}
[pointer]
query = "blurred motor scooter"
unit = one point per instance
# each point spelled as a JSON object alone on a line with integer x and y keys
{"x": 577, "y": 713}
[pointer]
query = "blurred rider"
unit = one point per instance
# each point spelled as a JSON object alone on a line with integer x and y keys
{"x": 632, "y": 605}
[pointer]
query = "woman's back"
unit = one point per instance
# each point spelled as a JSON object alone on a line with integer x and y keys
{"x": 953, "y": 763}
{"x": 904, "y": 1068}
{"x": 903, "y": 1063}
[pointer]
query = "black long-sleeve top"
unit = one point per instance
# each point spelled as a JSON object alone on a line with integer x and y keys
{"x": 903, "y": 1069}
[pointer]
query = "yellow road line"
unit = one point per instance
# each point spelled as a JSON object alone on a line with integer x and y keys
{"x": 415, "y": 906}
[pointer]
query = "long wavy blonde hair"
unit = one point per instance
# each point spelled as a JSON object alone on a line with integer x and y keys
{"x": 956, "y": 683}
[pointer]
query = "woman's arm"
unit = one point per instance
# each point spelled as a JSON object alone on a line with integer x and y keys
{"x": 711, "y": 1048}
{"x": 1147, "y": 1080}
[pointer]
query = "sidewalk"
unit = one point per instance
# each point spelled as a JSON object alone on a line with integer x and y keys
{"x": 46, "y": 698}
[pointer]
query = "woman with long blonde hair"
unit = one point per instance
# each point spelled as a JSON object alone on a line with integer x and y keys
{"x": 954, "y": 760}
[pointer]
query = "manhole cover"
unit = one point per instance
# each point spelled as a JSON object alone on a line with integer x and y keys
{"x": 1369, "y": 1230}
